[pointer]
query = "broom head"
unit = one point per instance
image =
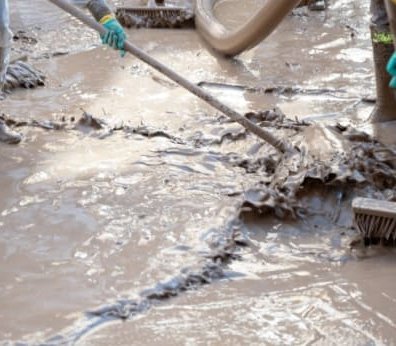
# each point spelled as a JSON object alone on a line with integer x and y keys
{"x": 375, "y": 219}
{"x": 155, "y": 17}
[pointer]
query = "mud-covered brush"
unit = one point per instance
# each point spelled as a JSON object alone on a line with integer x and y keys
{"x": 375, "y": 220}
{"x": 155, "y": 17}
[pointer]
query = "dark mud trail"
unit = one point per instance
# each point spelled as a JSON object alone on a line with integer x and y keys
{"x": 154, "y": 211}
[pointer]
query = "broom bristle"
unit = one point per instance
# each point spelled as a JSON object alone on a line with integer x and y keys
{"x": 153, "y": 12}
{"x": 375, "y": 219}
{"x": 155, "y": 17}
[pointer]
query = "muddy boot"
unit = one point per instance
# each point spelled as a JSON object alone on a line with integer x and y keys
{"x": 385, "y": 108}
{"x": 7, "y": 135}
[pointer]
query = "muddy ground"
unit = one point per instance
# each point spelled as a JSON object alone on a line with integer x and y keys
{"x": 158, "y": 221}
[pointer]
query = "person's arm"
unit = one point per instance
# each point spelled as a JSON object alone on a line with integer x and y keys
{"x": 101, "y": 11}
{"x": 98, "y": 8}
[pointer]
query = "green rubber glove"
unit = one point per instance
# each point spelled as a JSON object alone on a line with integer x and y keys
{"x": 391, "y": 68}
{"x": 115, "y": 36}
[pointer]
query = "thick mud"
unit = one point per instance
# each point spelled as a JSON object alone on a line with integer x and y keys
{"x": 129, "y": 200}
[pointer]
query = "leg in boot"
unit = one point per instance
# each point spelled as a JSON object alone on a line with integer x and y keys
{"x": 4, "y": 57}
{"x": 385, "y": 108}
{"x": 5, "y": 41}
{"x": 391, "y": 10}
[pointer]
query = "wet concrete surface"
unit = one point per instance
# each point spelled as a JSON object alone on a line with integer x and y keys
{"x": 88, "y": 221}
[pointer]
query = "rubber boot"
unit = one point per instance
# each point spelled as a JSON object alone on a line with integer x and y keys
{"x": 385, "y": 108}
{"x": 5, "y": 41}
{"x": 4, "y": 57}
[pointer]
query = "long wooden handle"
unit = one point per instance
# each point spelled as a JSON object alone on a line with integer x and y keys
{"x": 267, "y": 136}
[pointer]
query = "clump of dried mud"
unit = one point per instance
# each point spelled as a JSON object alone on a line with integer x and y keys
{"x": 22, "y": 75}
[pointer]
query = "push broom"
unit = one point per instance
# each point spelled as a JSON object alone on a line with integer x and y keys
{"x": 267, "y": 136}
{"x": 375, "y": 220}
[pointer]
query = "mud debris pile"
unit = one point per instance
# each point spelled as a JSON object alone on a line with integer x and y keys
{"x": 367, "y": 168}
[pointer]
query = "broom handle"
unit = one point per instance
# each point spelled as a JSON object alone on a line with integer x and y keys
{"x": 267, "y": 136}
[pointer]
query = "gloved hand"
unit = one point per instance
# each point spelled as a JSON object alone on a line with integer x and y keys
{"x": 391, "y": 68}
{"x": 115, "y": 36}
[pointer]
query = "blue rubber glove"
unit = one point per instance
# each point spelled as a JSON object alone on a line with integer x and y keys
{"x": 115, "y": 36}
{"x": 391, "y": 68}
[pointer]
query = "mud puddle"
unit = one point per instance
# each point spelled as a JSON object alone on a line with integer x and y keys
{"x": 103, "y": 225}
